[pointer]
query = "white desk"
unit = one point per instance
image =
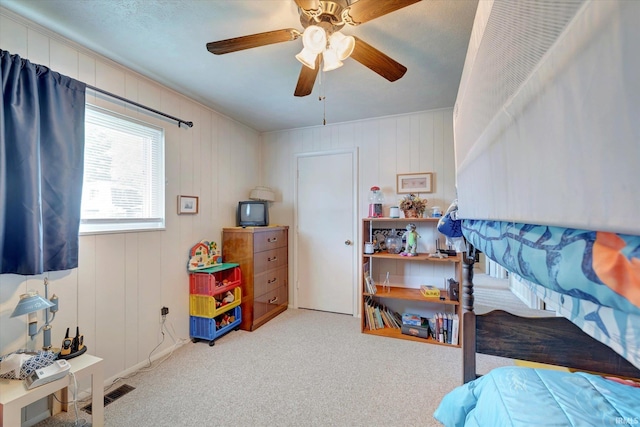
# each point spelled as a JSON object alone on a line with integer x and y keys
{"x": 14, "y": 394}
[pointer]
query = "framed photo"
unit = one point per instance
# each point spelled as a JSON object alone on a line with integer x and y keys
{"x": 187, "y": 205}
{"x": 415, "y": 182}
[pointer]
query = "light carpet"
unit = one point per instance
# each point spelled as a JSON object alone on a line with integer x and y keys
{"x": 491, "y": 293}
{"x": 303, "y": 368}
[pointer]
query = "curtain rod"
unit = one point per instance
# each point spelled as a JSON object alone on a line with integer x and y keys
{"x": 190, "y": 124}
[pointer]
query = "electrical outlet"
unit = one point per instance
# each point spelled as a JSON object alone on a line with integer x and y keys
{"x": 164, "y": 311}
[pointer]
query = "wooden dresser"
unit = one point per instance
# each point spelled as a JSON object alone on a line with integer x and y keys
{"x": 262, "y": 253}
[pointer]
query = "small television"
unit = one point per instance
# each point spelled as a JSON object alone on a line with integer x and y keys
{"x": 253, "y": 213}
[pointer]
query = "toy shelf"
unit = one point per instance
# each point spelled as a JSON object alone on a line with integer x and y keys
{"x": 210, "y": 316}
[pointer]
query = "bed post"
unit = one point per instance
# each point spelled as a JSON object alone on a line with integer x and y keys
{"x": 468, "y": 316}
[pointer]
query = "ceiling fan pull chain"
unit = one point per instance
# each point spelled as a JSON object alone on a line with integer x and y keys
{"x": 322, "y": 98}
{"x": 324, "y": 111}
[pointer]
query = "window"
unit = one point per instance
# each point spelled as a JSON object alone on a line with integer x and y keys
{"x": 123, "y": 187}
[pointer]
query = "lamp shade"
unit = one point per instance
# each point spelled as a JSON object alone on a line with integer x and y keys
{"x": 330, "y": 60}
{"x": 307, "y": 57}
{"x": 262, "y": 193}
{"x": 342, "y": 44}
{"x": 29, "y": 303}
{"x": 314, "y": 38}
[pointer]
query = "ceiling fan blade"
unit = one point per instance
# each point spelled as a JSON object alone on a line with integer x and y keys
{"x": 307, "y": 79}
{"x": 308, "y": 5}
{"x": 254, "y": 40}
{"x": 366, "y": 10}
{"x": 377, "y": 61}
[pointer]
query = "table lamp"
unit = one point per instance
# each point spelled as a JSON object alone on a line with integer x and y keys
{"x": 30, "y": 303}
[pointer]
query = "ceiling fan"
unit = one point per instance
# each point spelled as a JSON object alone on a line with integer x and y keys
{"x": 323, "y": 42}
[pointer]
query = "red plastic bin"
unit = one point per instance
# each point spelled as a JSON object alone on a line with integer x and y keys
{"x": 212, "y": 283}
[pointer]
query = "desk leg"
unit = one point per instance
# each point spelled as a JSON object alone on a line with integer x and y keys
{"x": 11, "y": 415}
{"x": 97, "y": 397}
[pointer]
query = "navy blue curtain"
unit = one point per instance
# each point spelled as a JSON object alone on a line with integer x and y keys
{"x": 41, "y": 167}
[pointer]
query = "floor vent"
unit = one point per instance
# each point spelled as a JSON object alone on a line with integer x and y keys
{"x": 112, "y": 396}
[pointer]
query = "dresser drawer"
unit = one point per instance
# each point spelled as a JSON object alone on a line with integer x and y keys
{"x": 268, "y": 260}
{"x": 270, "y": 301}
{"x": 267, "y": 240}
{"x": 270, "y": 280}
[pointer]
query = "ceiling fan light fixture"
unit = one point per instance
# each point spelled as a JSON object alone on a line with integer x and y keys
{"x": 314, "y": 38}
{"x": 342, "y": 44}
{"x": 330, "y": 60}
{"x": 307, "y": 57}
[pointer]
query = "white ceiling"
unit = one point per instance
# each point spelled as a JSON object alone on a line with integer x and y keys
{"x": 166, "y": 41}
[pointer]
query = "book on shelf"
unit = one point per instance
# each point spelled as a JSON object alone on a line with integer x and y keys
{"x": 372, "y": 323}
{"x": 370, "y": 286}
{"x": 432, "y": 327}
{"x": 445, "y": 328}
{"x": 394, "y": 318}
{"x": 379, "y": 323}
{"x": 455, "y": 330}
{"x": 441, "y": 327}
{"x": 378, "y": 316}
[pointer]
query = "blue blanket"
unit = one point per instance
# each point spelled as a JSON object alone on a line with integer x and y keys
{"x": 518, "y": 396}
{"x": 591, "y": 278}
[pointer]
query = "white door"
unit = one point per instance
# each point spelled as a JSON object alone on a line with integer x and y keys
{"x": 326, "y": 249}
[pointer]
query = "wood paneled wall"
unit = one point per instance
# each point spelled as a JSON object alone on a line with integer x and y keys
{"x": 409, "y": 143}
{"x": 123, "y": 279}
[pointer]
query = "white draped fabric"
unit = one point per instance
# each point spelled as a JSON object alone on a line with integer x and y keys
{"x": 547, "y": 118}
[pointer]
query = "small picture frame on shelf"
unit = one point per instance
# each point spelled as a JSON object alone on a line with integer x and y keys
{"x": 414, "y": 182}
{"x": 187, "y": 205}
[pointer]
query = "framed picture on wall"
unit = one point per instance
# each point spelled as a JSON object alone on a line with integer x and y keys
{"x": 187, "y": 205}
{"x": 415, "y": 182}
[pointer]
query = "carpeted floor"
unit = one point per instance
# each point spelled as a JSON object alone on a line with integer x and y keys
{"x": 303, "y": 368}
{"x": 491, "y": 293}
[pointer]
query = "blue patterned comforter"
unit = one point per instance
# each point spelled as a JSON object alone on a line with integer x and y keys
{"x": 593, "y": 278}
{"x": 518, "y": 396}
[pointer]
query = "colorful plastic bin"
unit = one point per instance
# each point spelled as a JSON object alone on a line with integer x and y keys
{"x": 204, "y": 328}
{"x": 205, "y": 282}
{"x": 205, "y": 306}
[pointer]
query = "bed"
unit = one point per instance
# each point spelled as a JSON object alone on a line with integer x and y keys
{"x": 601, "y": 387}
{"x": 547, "y": 159}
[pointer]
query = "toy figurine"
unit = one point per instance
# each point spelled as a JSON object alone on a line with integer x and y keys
{"x": 412, "y": 240}
{"x": 228, "y": 298}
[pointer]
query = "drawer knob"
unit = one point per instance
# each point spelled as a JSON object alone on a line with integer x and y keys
{"x": 272, "y": 239}
{"x": 275, "y": 279}
{"x": 275, "y": 258}
{"x": 273, "y": 300}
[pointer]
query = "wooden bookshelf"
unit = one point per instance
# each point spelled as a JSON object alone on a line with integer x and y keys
{"x": 404, "y": 292}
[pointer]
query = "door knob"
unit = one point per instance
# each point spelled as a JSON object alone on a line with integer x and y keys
{"x": 347, "y": 242}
